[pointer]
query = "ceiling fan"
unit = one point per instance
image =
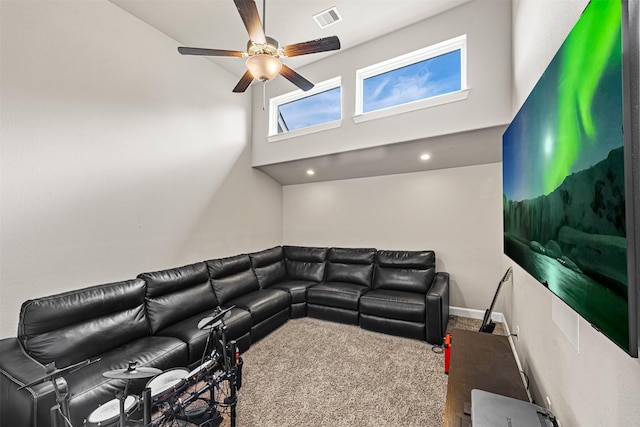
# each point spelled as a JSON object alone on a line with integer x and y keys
{"x": 263, "y": 53}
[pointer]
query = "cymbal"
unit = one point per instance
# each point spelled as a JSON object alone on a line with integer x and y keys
{"x": 132, "y": 372}
{"x": 213, "y": 320}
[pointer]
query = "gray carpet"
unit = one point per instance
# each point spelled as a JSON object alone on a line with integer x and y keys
{"x": 314, "y": 373}
{"x": 311, "y": 372}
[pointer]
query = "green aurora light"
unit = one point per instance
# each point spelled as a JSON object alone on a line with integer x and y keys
{"x": 588, "y": 53}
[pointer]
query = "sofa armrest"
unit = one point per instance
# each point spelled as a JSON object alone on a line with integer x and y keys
{"x": 438, "y": 308}
{"x": 31, "y": 406}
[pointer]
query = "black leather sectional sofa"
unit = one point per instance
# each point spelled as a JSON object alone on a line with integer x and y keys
{"x": 153, "y": 318}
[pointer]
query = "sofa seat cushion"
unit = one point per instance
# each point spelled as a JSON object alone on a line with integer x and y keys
{"x": 89, "y": 388}
{"x": 336, "y": 294}
{"x": 391, "y": 304}
{"x": 238, "y": 323}
{"x": 263, "y": 303}
{"x": 297, "y": 289}
{"x": 187, "y": 331}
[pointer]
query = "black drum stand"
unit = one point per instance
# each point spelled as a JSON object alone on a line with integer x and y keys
{"x": 223, "y": 374}
{"x": 220, "y": 371}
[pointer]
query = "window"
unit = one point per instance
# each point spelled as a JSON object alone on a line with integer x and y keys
{"x": 424, "y": 79}
{"x": 302, "y": 112}
{"x": 430, "y": 76}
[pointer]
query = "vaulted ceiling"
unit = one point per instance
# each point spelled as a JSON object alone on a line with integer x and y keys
{"x": 217, "y": 24}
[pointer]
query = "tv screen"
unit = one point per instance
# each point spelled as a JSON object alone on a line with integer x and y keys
{"x": 568, "y": 197}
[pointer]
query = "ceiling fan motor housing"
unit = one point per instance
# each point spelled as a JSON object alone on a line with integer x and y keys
{"x": 270, "y": 48}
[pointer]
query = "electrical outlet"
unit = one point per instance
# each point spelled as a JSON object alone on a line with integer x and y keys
{"x": 517, "y": 333}
{"x": 548, "y": 403}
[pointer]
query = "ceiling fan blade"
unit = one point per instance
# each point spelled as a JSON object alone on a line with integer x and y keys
{"x": 295, "y": 78}
{"x": 244, "y": 82}
{"x": 312, "y": 46}
{"x": 209, "y": 52}
{"x": 249, "y": 14}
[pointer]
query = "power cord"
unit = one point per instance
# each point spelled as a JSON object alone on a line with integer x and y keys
{"x": 526, "y": 377}
{"x": 66, "y": 420}
{"x": 439, "y": 349}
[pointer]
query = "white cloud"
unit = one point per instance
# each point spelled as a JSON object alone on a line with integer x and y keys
{"x": 398, "y": 88}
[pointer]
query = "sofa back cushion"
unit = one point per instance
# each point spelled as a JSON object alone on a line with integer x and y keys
{"x": 305, "y": 263}
{"x": 350, "y": 265}
{"x": 74, "y": 326}
{"x": 411, "y": 271}
{"x": 232, "y": 277}
{"x": 175, "y": 294}
{"x": 269, "y": 266}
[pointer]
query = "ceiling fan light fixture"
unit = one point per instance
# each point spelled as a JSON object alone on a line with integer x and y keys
{"x": 264, "y": 67}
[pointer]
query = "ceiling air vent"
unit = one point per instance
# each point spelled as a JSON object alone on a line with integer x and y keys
{"x": 328, "y": 17}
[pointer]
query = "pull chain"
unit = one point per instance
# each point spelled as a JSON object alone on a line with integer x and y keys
{"x": 264, "y": 29}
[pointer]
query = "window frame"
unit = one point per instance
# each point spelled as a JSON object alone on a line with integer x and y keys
{"x": 447, "y": 46}
{"x": 276, "y": 102}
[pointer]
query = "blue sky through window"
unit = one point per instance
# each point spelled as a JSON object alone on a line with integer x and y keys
{"x": 312, "y": 110}
{"x": 425, "y": 79}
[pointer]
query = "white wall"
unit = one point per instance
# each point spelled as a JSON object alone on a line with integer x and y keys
{"x": 455, "y": 212}
{"x": 487, "y": 25}
{"x": 596, "y": 384}
{"x": 118, "y": 155}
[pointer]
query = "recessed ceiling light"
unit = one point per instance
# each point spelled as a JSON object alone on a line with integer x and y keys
{"x": 310, "y": 172}
{"x": 425, "y": 157}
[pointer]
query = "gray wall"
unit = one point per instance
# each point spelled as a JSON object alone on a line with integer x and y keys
{"x": 118, "y": 156}
{"x": 589, "y": 380}
{"x": 487, "y": 25}
{"x": 456, "y": 212}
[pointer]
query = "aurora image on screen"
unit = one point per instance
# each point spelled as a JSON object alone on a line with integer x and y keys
{"x": 563, "y": 175}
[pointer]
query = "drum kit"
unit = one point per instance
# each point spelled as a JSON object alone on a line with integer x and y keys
{"x": 175, "y": 397}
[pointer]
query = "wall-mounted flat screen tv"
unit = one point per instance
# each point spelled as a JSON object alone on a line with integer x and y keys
{"x": 569, "y": 182}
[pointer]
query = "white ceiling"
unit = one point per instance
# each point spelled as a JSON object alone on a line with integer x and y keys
{"x": 217, "y": 24}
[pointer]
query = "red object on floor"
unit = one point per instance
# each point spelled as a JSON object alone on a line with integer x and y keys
{"x": 447, "y": 352}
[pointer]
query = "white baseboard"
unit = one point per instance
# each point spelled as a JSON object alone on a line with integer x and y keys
{"x": 475, "y": 314}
